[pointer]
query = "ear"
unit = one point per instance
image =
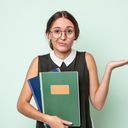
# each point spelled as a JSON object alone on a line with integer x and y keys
{"x": 48, "y": 36}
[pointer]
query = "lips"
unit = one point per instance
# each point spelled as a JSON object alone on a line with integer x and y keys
{"x": 62, "y": 44}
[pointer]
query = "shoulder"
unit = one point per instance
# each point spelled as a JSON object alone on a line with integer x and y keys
{"x": 88, "y": 56}
{"x": 90, "y": 60}
{"x": 33, "y": 68}
{"x": 35, "y": 60}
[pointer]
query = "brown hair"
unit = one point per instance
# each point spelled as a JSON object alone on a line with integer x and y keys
{"x": 60, "y": 14}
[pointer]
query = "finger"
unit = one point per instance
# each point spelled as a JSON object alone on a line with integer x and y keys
{"x": 66, "y": 122}
{"x": 66, "y": 127}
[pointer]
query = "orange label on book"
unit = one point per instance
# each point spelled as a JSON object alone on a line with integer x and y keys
{"x": 59, "y": 89}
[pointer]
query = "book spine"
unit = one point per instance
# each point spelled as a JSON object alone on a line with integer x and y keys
{"x": 78, "y": 96}
{"x": 41, "y": 91}
{"x": 42, "y": 95}
{"x": 34, "y": 96}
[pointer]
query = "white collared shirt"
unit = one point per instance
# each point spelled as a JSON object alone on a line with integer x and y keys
{"x": 67, "y": 60}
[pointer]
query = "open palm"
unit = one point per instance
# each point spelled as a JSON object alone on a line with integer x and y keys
{"x": 115, "y": 64}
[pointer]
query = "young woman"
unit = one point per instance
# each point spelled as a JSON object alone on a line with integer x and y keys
{"x": 62, "y": 29}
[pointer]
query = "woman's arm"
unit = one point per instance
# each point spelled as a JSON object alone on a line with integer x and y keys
{"x": 24, "y": 106}
{"x": 99, "y": 90}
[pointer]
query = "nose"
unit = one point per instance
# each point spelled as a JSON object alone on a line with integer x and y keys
{"x": 63, "y": 35}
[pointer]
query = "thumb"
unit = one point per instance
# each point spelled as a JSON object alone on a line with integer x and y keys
{"x": 65, "y": 122}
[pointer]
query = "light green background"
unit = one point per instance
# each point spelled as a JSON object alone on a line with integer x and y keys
{"x": 104, "y": 33}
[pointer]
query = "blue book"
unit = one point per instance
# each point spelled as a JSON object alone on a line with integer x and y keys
{"x": 34, "y": 84}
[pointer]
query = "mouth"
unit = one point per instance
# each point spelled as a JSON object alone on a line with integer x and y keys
{"x": 62, "y": 43}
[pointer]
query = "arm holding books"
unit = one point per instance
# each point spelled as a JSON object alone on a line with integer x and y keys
{"x": 24, "y": 106}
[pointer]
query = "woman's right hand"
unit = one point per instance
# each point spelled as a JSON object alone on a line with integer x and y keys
{"x": 56, "y": 122}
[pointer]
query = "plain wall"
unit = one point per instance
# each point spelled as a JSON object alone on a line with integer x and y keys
{"x": 103, "y": 32}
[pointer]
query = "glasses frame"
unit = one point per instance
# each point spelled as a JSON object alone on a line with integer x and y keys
{"x": 64, "y": 31}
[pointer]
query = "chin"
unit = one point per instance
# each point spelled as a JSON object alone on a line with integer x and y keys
{"x": 64, "y": 50}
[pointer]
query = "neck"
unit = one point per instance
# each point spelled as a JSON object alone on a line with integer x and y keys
{"x": 62, "y": 55}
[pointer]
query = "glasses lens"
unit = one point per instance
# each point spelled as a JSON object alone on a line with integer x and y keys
{"x": 56, "y": 33}
{"x": 69, "y": 33}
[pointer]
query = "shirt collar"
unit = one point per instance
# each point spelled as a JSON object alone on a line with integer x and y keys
{"x": 67, "y": 60}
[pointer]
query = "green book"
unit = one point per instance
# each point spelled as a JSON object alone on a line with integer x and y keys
{"x": 60, "y": 95}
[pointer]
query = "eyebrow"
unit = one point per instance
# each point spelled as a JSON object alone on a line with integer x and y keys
{"x": 65, "y": 28}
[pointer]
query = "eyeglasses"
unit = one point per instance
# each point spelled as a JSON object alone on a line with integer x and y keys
{"x": 57, "y": 33}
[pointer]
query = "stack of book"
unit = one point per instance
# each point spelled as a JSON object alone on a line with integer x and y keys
{"x": 57, "y": 93}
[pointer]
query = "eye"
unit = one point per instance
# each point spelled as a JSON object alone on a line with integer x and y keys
{"x": 69, "y": 31}
{"x": 57, "y": 31}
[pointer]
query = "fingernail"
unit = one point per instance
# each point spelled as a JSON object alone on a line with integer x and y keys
{"x": 70, "y": 123}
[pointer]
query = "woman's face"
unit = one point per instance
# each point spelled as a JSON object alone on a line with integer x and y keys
{"x": 62, "y": 35}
